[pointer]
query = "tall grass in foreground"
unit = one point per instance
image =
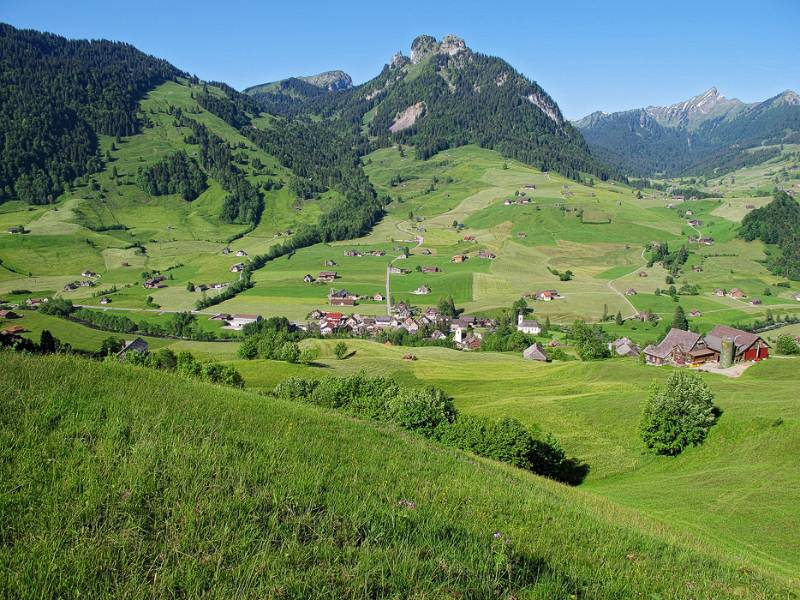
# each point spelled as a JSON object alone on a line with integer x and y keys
{"x": 119, "y": 481}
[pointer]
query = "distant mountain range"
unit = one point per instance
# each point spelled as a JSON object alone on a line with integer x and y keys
{"x": 703, "y": 135}
{"x": 441, "y": 96}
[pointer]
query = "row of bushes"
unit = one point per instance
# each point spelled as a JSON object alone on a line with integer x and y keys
{"x": 186, "y": 365}
{"x": 430, "y": 412}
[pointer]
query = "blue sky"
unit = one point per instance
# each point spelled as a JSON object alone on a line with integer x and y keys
{"x": 589, "y": 55}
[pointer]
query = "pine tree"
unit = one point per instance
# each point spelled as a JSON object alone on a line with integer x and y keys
{"x": 679, "y": 320}
{"x": 618, "y": 319}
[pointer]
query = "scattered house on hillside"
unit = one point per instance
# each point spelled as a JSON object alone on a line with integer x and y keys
{"x": 534, "y": 352}
{"x": 469, "y": 238}
{"x": 220, "y": 317}
{"x": 226, "y": 250}
{"x": 546, "y": 295}
{"x": 736, "y": 293}
{"x": 755, "y": 302}
{"x": 308, "y": 278}
{"x": 694, "y": 222}
{"x": 528, "y": 326}
{"x": 409, "y": 356}
{"x": 693, "y": 239}
{"x": 9, "y": 314}
{"x": 326, "y": 276}
{"x": 508, "y": 202}
{"x": 695, "y": 313}
{"x": 679, "y": 348}
{"x": 35, "y": 302}
{"x": 530, "y": 186}
{"x": 554, "y": 343}
{"x": 341, "y": 298}
{"x": 679, "y": 198}
{"x": 630, "y": 292}
{"x": 706, "y": 241}
{"x": 135, "y": 345}
{"x": 748, "y": 346}
{"x": 646, "y": 315}
{"x": 87, "y": 283}
{"x": 458, "y": 258}
{"x": 105, "y": 300}
{"x": 797, "y": 297}
{"x": 241, "y": 253}
{"x": 398, "y": 270}
{"x": 155, "y": 282}
{"x": 486, "y": 254}
{"x": 237, "y": 322}
{"x": 72, "y": 286}
{"x": 431, "y": 269}
{"x": 624, "y": 347}
{"x": 689, "y": 213}
{"x": 422, "y": 290}
{"x": 88, "y": 273}
{"x": 719, "y": 292}
{"x": 426, "y": 252}
{"x": 749, "y": 206}
{"x": 14, "y": 330}
{"x": 351, "y": 253}
{"x": 237, "y": 268}
{"x": 642, "y": 274}
{"x": 330, "y": 263}
{"x": 378, "y": 297}
{"x": 697, "y": 269}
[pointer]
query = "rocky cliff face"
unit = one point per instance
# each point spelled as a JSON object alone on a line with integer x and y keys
{"x": 691, "y": 113}
{"x": 332, "y": 81}
{"x": 425, "y": 45}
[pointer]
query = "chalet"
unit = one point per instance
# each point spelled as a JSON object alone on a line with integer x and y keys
{"x": 736, "y": 293}
{"x": 534, "y": 352}
{"x": 72, "y": 286}
{"x": 9, "y": 314}
{"x": 755, "y": 302}
{"x": 547, "y": 295}
{"x": 458, "y": 258}
{"x": 398, "y": 270}
{"x": 426, "y": 252}
{"x": 220, "y": 317}
{"x": 136, "y": 345}
{"x": 528, "y": 326}
{"x": 378, "y": 297}
{"x": 88, "y": 273}
{"x": 105, "y": 300}
{"x": 693, "y": 239}
{"x": 471, "y": 342}
{"x": 226, "y": 250}
{"x": 315, "y": 314}
{"x": 469, "y": 238}
{"x": 87, "y": 283}
{"x": 308, "y": 278}
{"x": 341, "y": 298}
{"x": 327, "y": 276}
{"x": 530, "y": 186}
{"x": 422, "y": 290}
{"x": 797, "y": 297}
{"x": 554, "y": 343}
{"x": 438, "y": 335}
{"x": 679, "y": 348}
{"x": 646, "y": 315}
{"x": 14, "y": 330}
{"x": 706, "y": 241}
{"x": 522, "y": 235}
{"x": 330, "y": 263}
{"x": 508, "y": 202}
{"x": 697, "y": 269}
{"x": 695, "y": 313}
{"x": 237, "y": 322}
{"x": 694, "y": 223}
{"x": 155, "y": 282}
{"x": 624, "y": 347}
{"x": 486, "y": 254}
{"x": 524, "y": 200}
{"x": 748, "y": 346}
{"x": 241, "y": 253}
{"x": 409, "y": 356}
{"x": 630, "y": 292}
{"x": 402, "y": 256}
{"x": 35, "y": 302}
{"x": 410, "y": 325}
{"x": 719, "y": 292}
{"x": 642, "y": 274}
{"x": 237, "y": 268}
{"x": 351, "y": 253}
{"x": 430, "y": 269}
{"x": 679, "y": 198}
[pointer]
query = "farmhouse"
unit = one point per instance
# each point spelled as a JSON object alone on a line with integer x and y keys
{"x": 330, "y": 263}
{"x": 755, "y": 301}
{"x": 547, "y": 295}
{"x": 426, "y": 252}
{"x": 486, "y": 254}
{"x": 624, "y": 347}
{"x": 736, "y": 293}
{"x": 630, "y": 292}
{"x": 422, "y": 290}
{"x": 529, "y": 326}
{"x": 694, "y": 222}
{"x": 469, "y": 238}
{"x": 748, "y": 346}
{"x": 341, "y": 298}
{"x": 308, "y": 278}
{"x": 220, "y": 317}
{"x": 9, "y": 314}
{"x": 14, "y": 330}
{"x": 522, "y": 235}
{"x": 241, "y": 253}
{"x": 719, "y": 292}
{"x": 88, "y": 273}
{"x": 326, "y": 276}
{"x": 508, "y": 202}
{"x": 398, "y": 270}
{"x": 155, "y": 282}
{"x": 678, "y": 348}
{"x": 136, "y": 345}
{"x": 695, "y": 313}
{"x": 706, "y": 241}
{"x": 458, "y": 258}
{"x": 430, "y": 269}
{"x": 236, "y": 322}
{"x": 642, "y": 274}
{"x": 35, "y": 302}
{"x": 237, "y": 268}
{"x": 105, "y": 300}
{"x": 378, "y": 297}
{"x": 534, "y": 352}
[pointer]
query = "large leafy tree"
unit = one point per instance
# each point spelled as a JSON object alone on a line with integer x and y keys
{"x": 678, "y": 414}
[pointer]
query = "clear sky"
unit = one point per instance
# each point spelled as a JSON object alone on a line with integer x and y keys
{"x": 589, "y": 55}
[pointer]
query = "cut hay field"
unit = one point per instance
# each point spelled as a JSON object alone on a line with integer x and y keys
{"x": 323, "y": 503}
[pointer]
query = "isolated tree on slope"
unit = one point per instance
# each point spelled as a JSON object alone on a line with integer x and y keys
{"x": 678, "y": 414}
{"x": 679, "y": 320}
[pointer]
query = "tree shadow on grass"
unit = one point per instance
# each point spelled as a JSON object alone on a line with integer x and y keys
{"x": 573, "y": 471}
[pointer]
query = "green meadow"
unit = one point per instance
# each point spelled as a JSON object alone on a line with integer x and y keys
{"x": 164, "y": 487}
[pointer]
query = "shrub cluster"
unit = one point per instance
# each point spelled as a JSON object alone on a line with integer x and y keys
{"x": 185, "y": 364}
{"x": 430, "y": 412}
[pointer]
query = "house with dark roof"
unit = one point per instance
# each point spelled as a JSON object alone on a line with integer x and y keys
{"x": 624, "y": 347}
{"x": 135, "y": 345}
{"x": 679, "y": 348}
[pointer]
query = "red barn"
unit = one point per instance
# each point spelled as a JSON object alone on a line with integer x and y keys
{"x": 748, "y": 346}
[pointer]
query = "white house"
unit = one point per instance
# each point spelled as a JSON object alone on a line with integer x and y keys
{"x": 528, "y": 325}
{"x": 238, "y": 321}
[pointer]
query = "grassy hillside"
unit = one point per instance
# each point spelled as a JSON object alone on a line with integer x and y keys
{"x": 126, "y": 482}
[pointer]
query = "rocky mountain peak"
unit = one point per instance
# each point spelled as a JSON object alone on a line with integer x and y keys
{"x": 333, "y": 81}
{"x": 424, "y": 46}
{"x": 398, "y": 60}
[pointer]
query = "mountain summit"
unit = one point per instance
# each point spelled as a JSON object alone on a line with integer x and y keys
{"x": 704, "y": 134}
{"x": 332, "y": 81}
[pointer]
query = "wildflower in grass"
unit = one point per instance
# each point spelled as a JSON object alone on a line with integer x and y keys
{"x": 497, "y": 535}
{"x": 408, "y": 504}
